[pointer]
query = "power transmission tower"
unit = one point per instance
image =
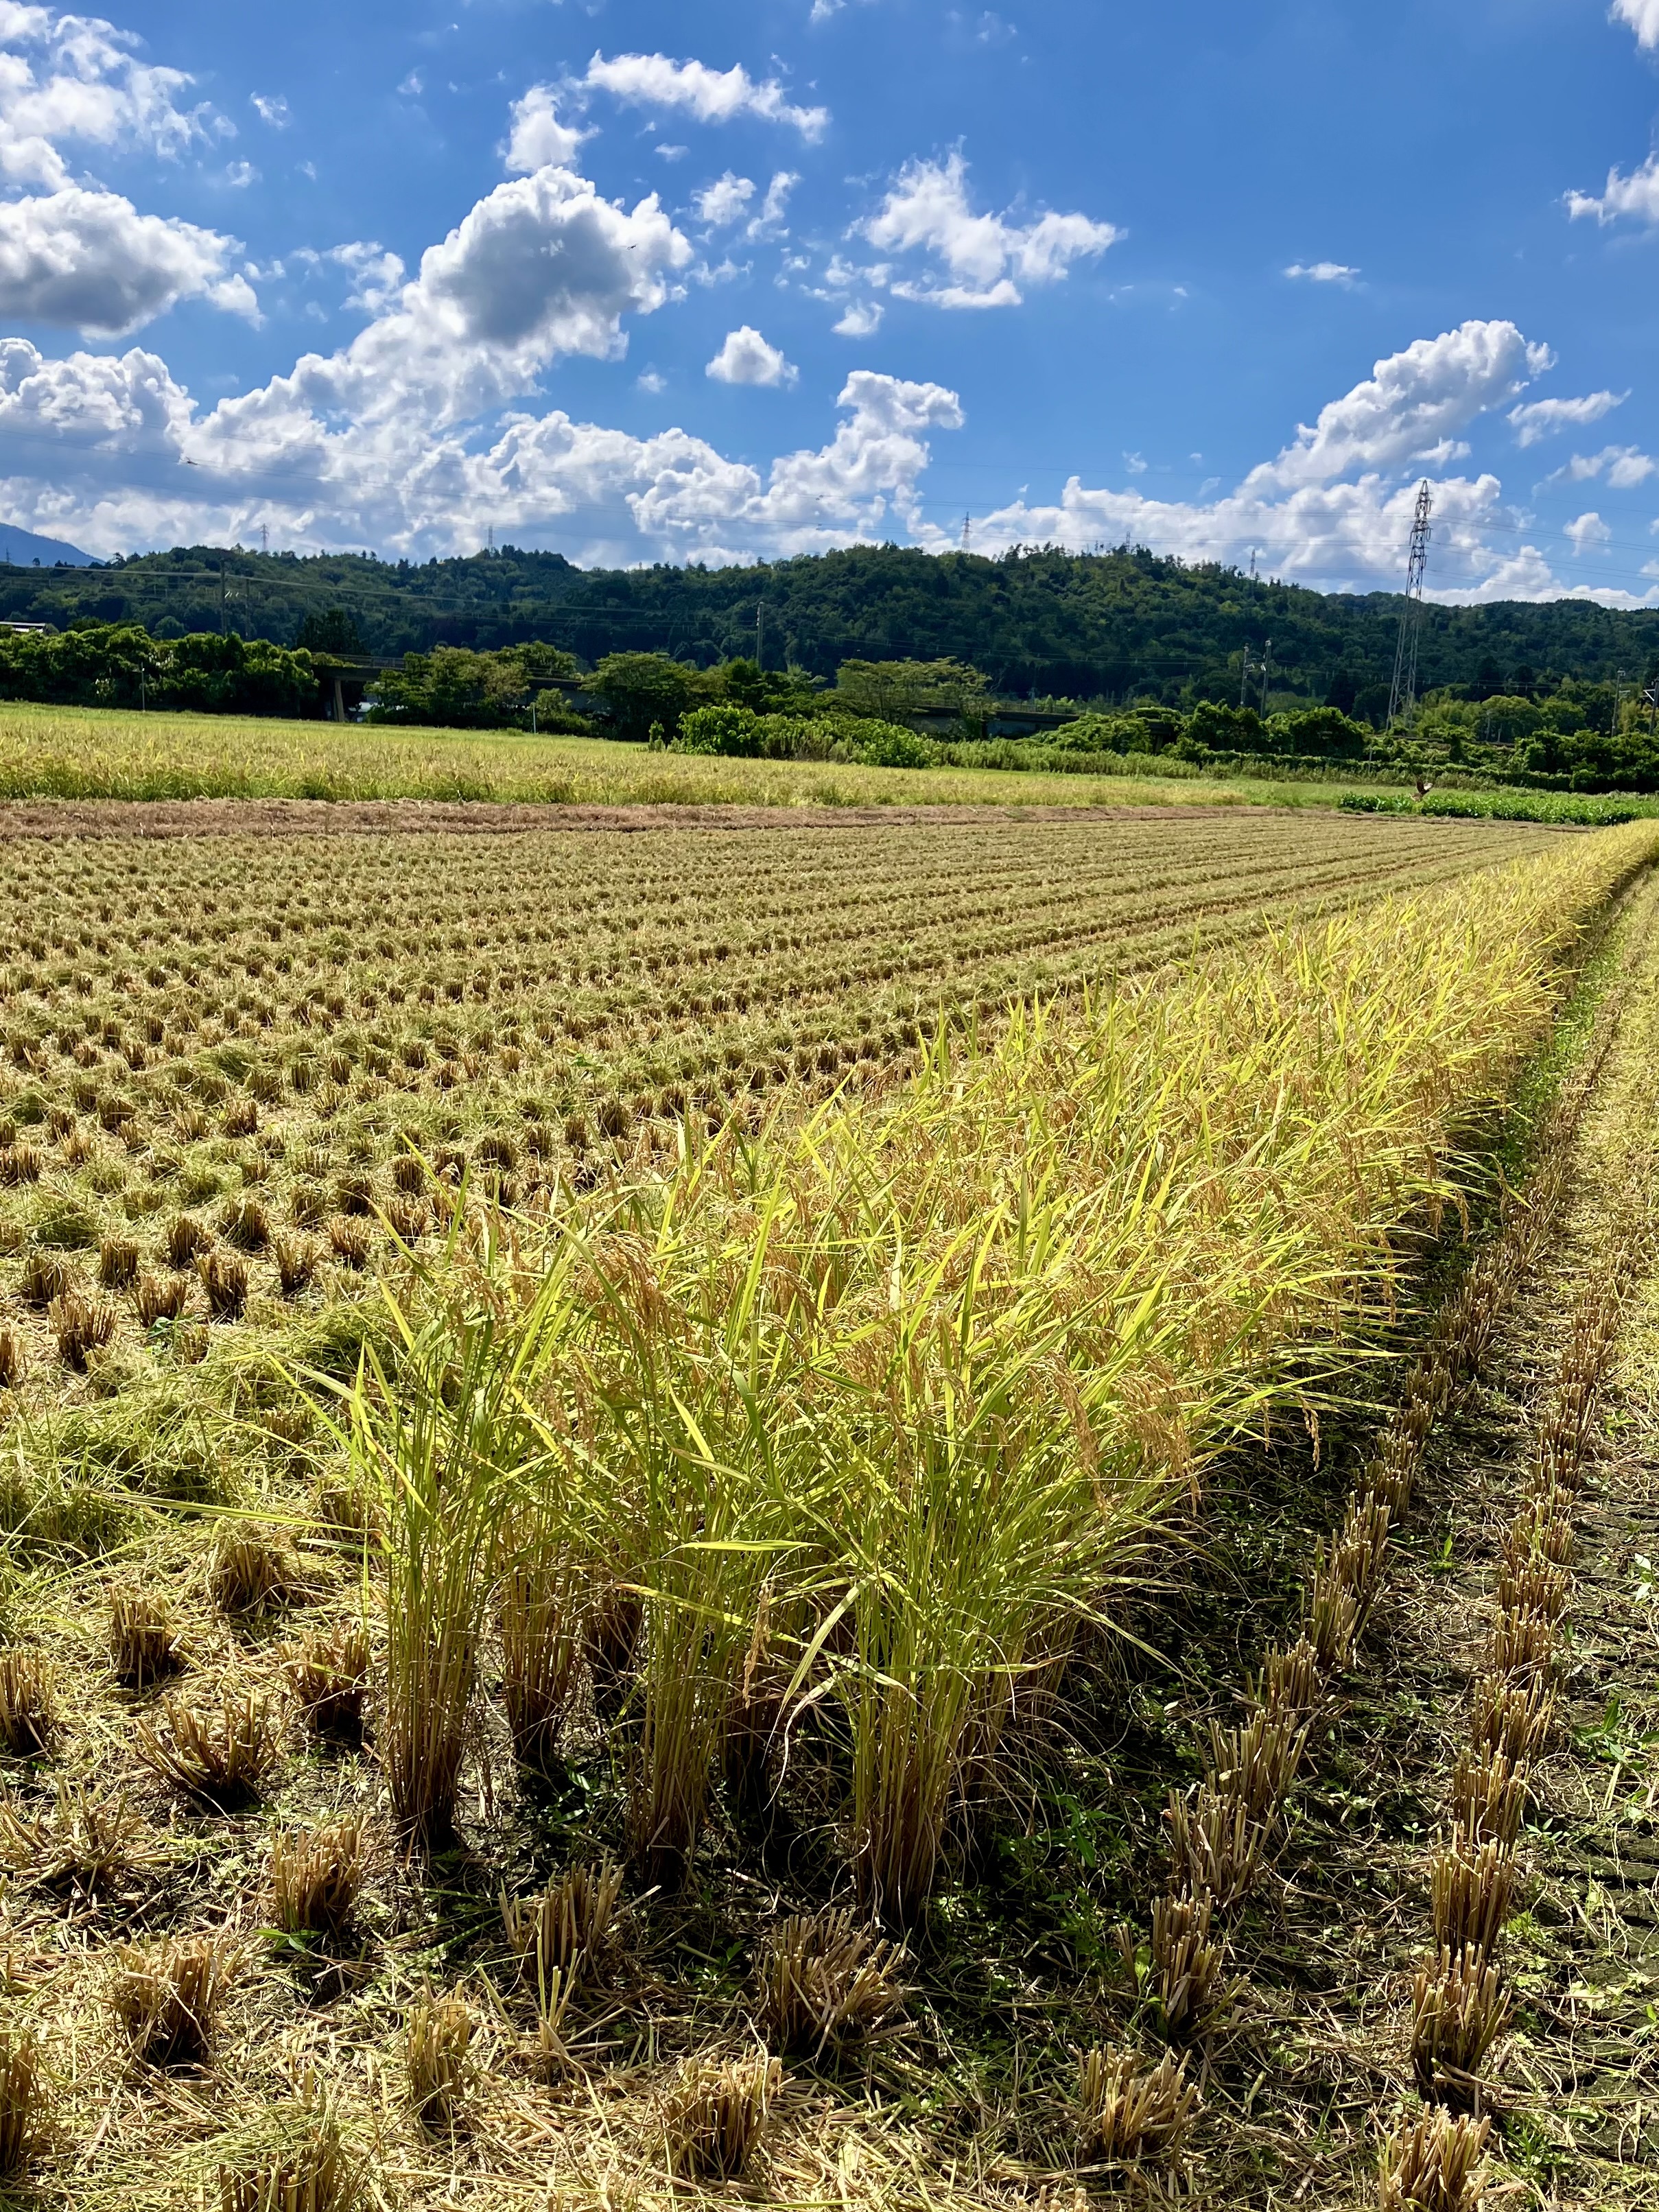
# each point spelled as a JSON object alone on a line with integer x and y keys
{"x": 967, "y": 533}
{"x": 1402, "y": 698}
{"x": 264, "y": 538}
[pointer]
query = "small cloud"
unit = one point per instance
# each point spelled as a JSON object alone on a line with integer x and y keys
{"x": 746, "y": 358}
{"x": 412, "y": 86}
{"x": 308, "y": 169}
{"x": 775, "y": 204}
{"x": 1586, "y": 533}
{"x": 272, "y": 109}
{"x": 1134, "y": 464}
{"x": 726, "y": 200}
{"x": 671, "y": 153}
{"x": 651, "y": 382}
{"x": 539, "y": 138}
{"x": 240, "y": 175}
{"x": 861, "y": 320}
{"x": 1323, "y": 272}
{"x": 1540, "y": 417}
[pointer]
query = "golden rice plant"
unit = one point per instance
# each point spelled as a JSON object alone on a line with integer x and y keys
{"x": 539, "y": 1616}
{"x": 1135, "y": 2114}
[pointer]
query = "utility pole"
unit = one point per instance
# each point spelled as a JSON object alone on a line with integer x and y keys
{"x": 1267, "y": 674}
{"x": 223, "y": 557}
{"x": 1402, "y": 697}
{"x": 760, "y": 633}
{"x": 1251, "y": 668}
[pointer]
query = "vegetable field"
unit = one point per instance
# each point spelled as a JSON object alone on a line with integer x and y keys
{"x": 743, "y": 1514}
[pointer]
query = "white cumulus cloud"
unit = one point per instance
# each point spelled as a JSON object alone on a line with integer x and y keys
{"x": 986, "y": 257}
{"x": 709, "y": 95}
{"x": 1635, "y": 195}
{"x": 1642, "y": 15}
{"x": 746, "y": 358}
{"x": 1586, "y": 533}
{"x": 1411, "y": 407}
{"x": 1540, "y": 418}
{"x": 539, "y": 138}
{"x": 76, "y": 80}
{"x": 1623, "y": 467}
{"x": 91, "y": 262}
{"x": 726, "y": 200}
{"x": 862, "y": 319}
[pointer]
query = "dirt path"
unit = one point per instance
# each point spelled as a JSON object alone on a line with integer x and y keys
{"x": 296, "y": 818}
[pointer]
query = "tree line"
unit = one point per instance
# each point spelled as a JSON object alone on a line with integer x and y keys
{"x": 1100, "y": 630}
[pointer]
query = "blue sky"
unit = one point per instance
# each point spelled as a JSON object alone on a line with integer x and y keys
{"x": 635, "y": 281}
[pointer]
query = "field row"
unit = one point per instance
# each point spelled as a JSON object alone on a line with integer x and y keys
{"x": 215, "y": 1053}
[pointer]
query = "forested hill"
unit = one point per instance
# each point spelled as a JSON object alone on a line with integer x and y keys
{"x": 1037, "y": 624}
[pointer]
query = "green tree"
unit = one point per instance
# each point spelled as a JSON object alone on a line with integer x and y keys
{"x": 903, "y": 691}
{"x": 331, "y": 631}
{"x": 639, "y": 688}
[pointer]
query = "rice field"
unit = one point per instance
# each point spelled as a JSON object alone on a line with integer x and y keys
{"x": 82, "y": 753}
{"x": 690, "y": 1513}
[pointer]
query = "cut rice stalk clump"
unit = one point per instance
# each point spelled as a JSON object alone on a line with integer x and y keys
{"x": 316, "y": 1876}
{"x": 568, "y": 1928}
{"x": 88, "y": 1843}
{"x": 117, "y": 1263}
{"x": 1510, "y": 1719}
{"x": 297, "y": 1259}
{"x": 224, "y": 1276}
{"x": 223, "y": 1757}
{"x": 824, "y": 1980}
{"x": 1489, "y": 1797}
{"x": 1472, "y": 1889}
{"x": 28, "y": 1709}
{"x": 1215, "y": 1847}
{"x": 145, "y": 1639}
{"x": 1186, "y": 1962}
{"x": 1435, "y": 2163}
{"x": 156, "y": 1299}
{"x": 82, "y": 1326}
{"x": 308, "y": 2170}
{"x": 1256, "y": 1765}
{"x": 252, "y": 1572}
{"x": 46, "y": 1277}
{"x": 11, "y": 1360}
{"x": 715, "y": 2115}
{"x": 437, "y": 2053}
{"x": 1459, "y": 2009}
{"x": 168, "y": 1997}
{"x": 329, "y": 1675}
{"x": 1135, "y": 2114}
{"x": 22, "y": 2103}
{"x": 1290, "y": 1684}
